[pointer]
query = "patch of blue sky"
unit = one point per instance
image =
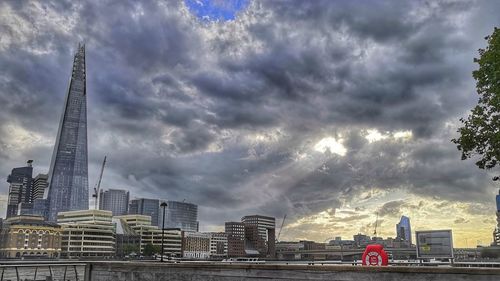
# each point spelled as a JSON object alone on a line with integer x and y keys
{"x": 215, "y": 10}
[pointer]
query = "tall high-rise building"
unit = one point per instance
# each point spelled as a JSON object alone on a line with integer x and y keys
{"x": 403, "y": 229}
{"x": 180, "y": 215}
{"x": 114, "y": 200}
{"x": 260, "y": 231}
{"x": 147, "y": 207}
{"x": 21, "y": 181}
{"x": 40, "y": 183}
{"x": 68, "y": 175}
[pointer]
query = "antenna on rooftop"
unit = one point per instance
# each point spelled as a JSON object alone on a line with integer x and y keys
{"x": 376, "y": 222}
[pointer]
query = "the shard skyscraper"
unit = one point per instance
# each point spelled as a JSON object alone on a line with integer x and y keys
{"x": 68, "y": 176}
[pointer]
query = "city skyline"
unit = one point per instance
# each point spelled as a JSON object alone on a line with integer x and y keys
{"x": 317, "y": 115}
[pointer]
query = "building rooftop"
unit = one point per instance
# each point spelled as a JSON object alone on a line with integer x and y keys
{"x": 29, "y": 220}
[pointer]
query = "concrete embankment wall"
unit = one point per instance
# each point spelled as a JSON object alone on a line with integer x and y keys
{"x": 138, "y": 271}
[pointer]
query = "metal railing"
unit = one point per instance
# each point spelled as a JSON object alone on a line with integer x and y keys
{"x": 43, "y": 271}
{"x": 394, "y": 263}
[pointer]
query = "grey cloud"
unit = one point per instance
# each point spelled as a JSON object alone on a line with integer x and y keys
{"x": 392, "y": 208}
{"x": 461, "y": 220}
{"x": 350, "y": 218}
{"x": 163, "y": 89}
{"x": 193, "y": 139}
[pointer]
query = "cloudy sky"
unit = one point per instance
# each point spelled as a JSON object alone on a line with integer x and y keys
{"x": 327, "y": 111}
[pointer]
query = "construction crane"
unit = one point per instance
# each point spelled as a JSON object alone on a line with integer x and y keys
{"x": 376, "y": 222}
{"x": 98, "y": 185}
{"x": 281, "y": 228}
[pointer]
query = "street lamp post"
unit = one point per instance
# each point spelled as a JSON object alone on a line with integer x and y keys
{"x": 163, "y": 205}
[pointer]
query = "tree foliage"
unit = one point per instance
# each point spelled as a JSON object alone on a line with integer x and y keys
{"x": 129, "y": 249}
{"x": 490, "y": 253}
{"x": 150, "y": 249}
{"x": 480, "y": 134}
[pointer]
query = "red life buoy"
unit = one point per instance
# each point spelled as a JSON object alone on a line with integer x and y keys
{"x": 375, "y": 255}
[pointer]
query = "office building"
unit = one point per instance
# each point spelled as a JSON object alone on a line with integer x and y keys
{"x": 68, "y": 175}
{"x": 150, "y": 234}
{"x": 289, "y": 250}
{"x": 114, "y": 200}
{"x": 260, "y": 234}
{"x": 218, "y": 245}
{"x": 40, "y": 184}
{"x": 180, "y": 215}
{"x": 35, "y": 205}
{"x": 235, "y": 229}
{"x": 235, "y": 232}
{"x": 235, "y": 247}
{"x": 403, "y": 230}
{"x": 127, "y": 241}
{"x": 361, "y": 240}
{"x": 265, "y": 224}
{"x": 21, "y": 181}
{"x": 313, "y": 246}
{"x": 196, "y": 245}
{"x": 24, "y": 209}
{"x": 41, "y": 207}
{"x": 29, "y": 237}
{"x": 255, "y": 245}
{"x": 147, "y": 207}
{"x": 135, "y": 221}
{"x": 87, "y": 233}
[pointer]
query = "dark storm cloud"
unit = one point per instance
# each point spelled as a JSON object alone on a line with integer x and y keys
{"x": 187, "y": 109}
{"x": 396, "y": 89}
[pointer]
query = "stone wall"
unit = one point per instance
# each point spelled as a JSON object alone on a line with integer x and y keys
{"x": 148, "y": 271}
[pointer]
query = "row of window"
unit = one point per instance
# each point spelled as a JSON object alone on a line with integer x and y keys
{"x": 39, "y": 232}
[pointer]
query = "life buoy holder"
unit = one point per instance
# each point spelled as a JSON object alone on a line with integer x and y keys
{"x": 375, "y": 255}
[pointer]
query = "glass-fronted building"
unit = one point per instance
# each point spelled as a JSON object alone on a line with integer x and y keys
{"x": 20, "y": 180}
{"x": 147, "y": 207}
{"x": 180, "y": 215}
{"x": 68, "y": 175}
{"x": 403, "y": 229}
{"x": 114, "y": 200}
